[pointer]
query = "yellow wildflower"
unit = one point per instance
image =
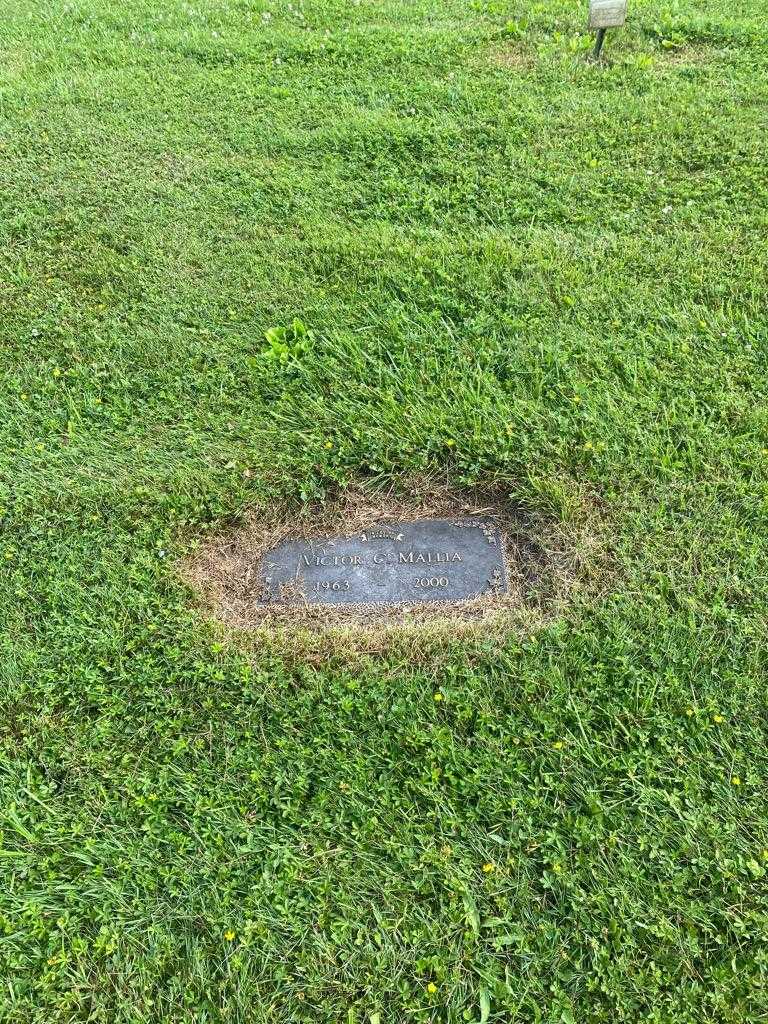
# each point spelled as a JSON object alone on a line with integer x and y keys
{"x": 431, "y": 988}
{"x": 229, "y": 935}
{"x": 488, "y": 868}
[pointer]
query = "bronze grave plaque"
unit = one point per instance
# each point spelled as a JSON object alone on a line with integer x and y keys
{"x": 392, "y": 563}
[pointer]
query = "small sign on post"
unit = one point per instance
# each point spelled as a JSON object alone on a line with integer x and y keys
{"x": 605, "y": 14}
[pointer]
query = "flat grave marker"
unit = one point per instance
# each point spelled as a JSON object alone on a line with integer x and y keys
{"x": 391, "y": 563}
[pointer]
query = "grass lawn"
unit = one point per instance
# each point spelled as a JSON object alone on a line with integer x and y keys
{"x": 517, "y": 269}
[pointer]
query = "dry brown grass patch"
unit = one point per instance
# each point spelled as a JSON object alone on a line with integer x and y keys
{"x": 513, "y": 56}
{"x": 545, "y": 563}
{"x": 684, "y": 56}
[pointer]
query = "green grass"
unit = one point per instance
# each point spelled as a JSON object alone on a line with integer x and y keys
{"x": 516, "y": 267}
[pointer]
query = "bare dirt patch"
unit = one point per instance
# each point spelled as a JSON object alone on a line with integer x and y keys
{"x": 545, "y": 563}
